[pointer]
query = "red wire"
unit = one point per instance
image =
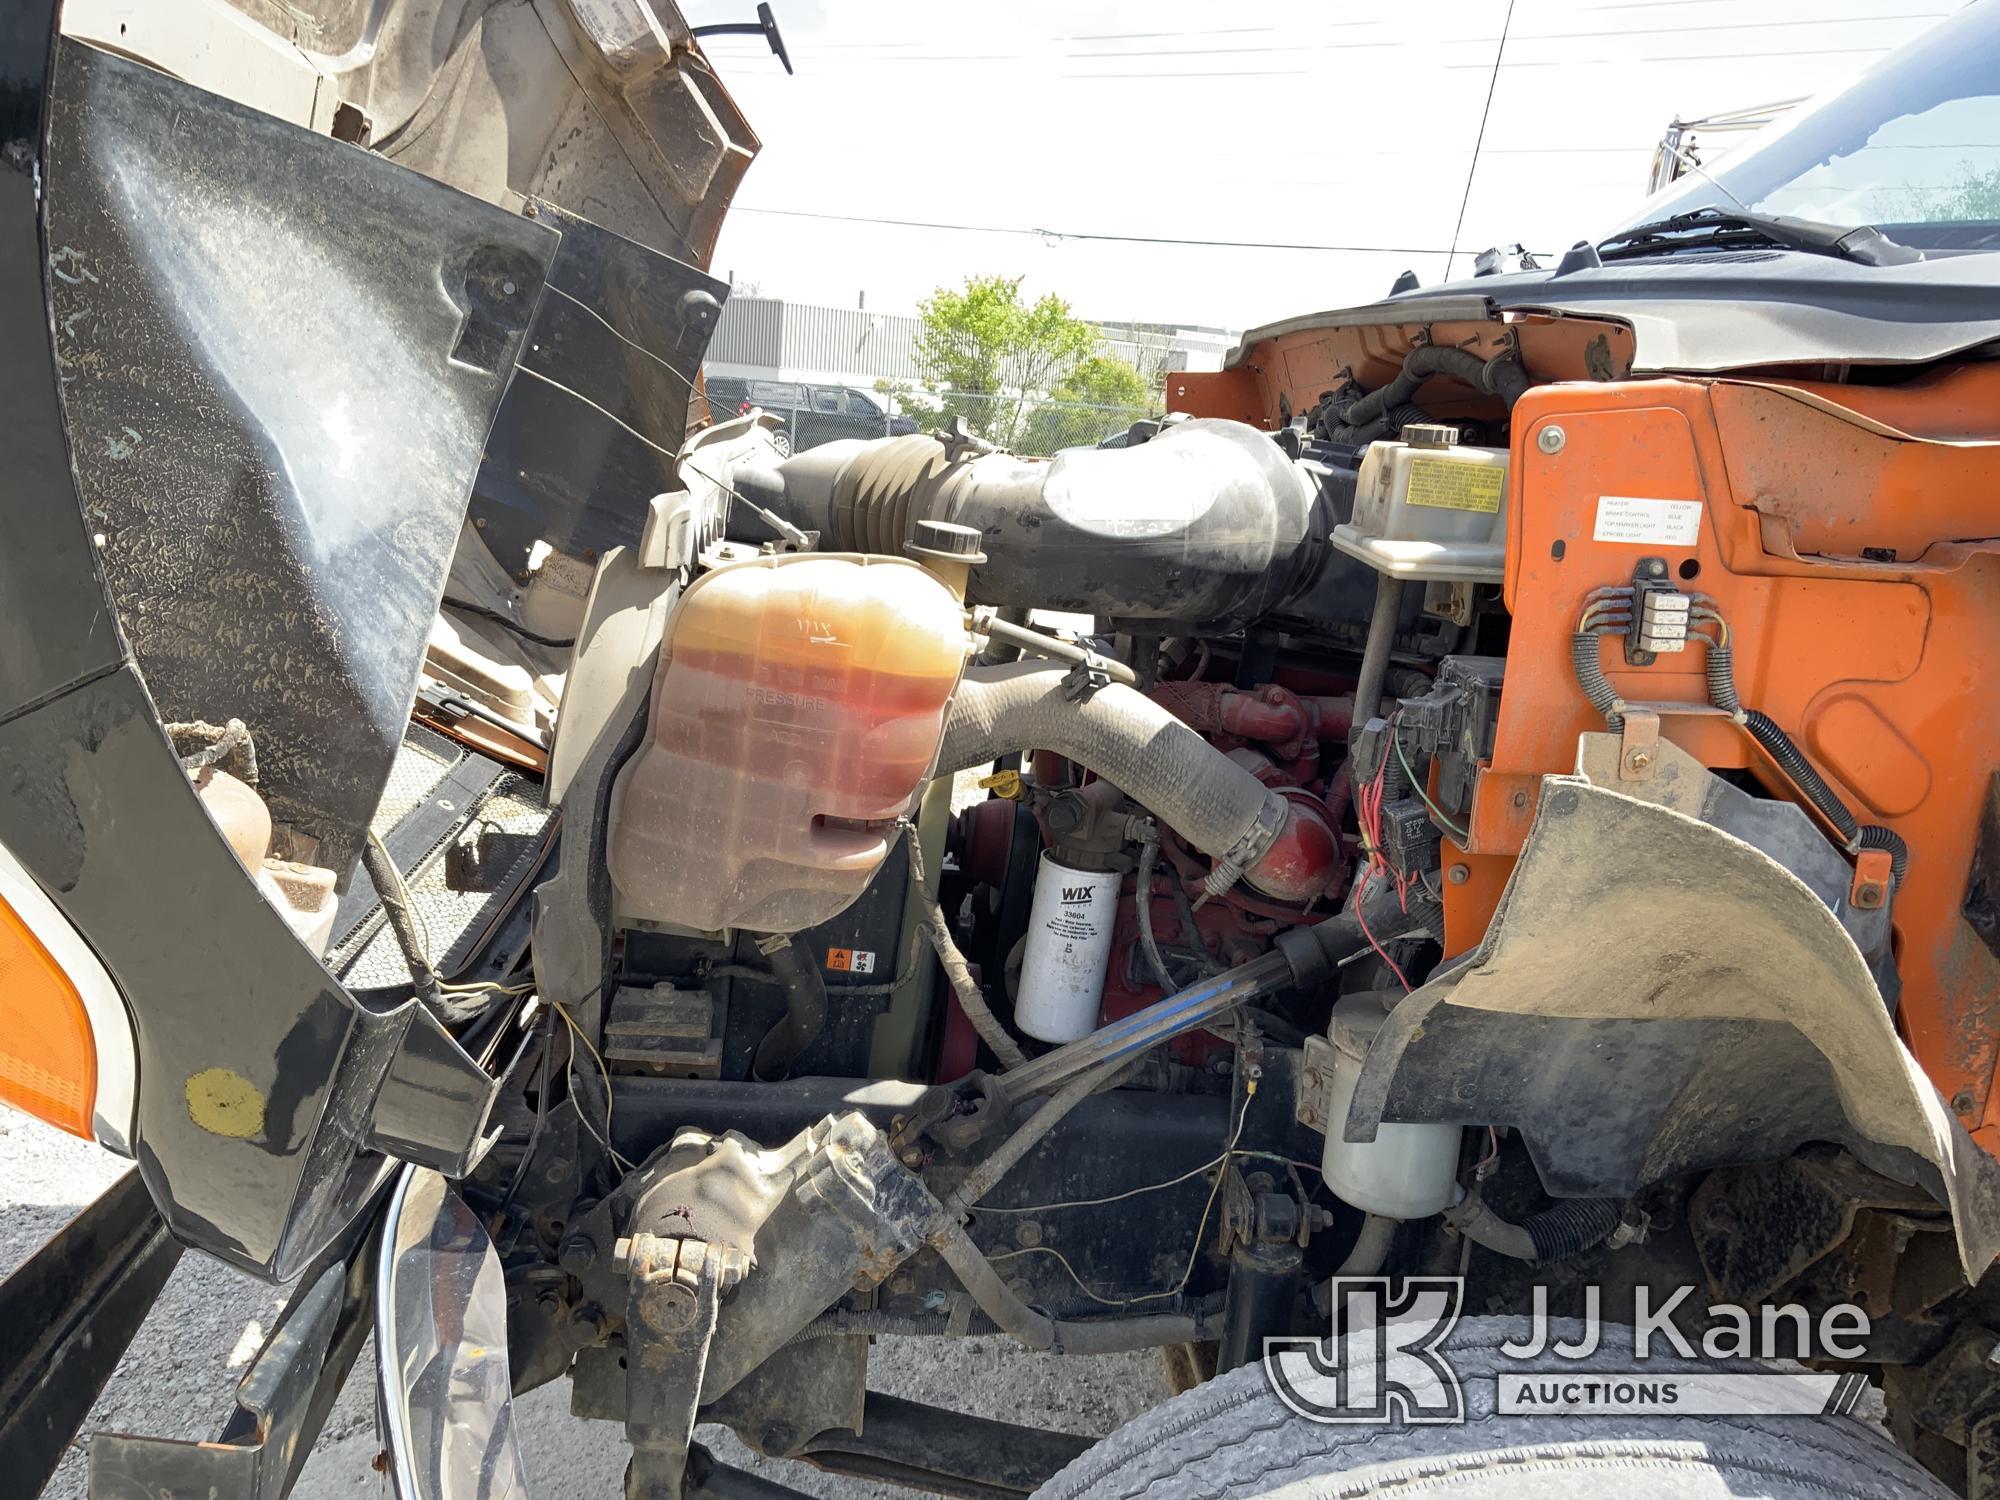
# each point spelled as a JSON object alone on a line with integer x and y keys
{"x": 1368, "y": 813}
{"x": 1380, "y": 952}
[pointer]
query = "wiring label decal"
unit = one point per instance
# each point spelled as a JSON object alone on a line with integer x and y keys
{"x": 1445, "y": 485}
{"x": 1648, "y": 523}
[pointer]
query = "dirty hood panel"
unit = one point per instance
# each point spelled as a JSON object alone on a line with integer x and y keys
{"x": 280, "y": 359}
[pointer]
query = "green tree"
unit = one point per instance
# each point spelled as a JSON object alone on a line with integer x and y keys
{"x": 989, "y": 355}
{"x": 1976, "y": 199}
{"x": 1103, "y": 380}
{"x": 1100, "y": 396}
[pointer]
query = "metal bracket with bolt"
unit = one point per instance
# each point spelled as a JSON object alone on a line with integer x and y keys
{"x": 676, "y": 1287}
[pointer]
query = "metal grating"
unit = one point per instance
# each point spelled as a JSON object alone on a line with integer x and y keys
{"x": 421, "y": 763}
{"x": 459, "y": 888}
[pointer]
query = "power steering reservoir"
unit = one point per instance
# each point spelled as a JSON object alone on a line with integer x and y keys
{"x": 1407, "y": 1171}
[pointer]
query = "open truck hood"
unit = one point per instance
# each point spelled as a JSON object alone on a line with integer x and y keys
{"x": 1710, "y": 314}
{"x": 253, "y": 377}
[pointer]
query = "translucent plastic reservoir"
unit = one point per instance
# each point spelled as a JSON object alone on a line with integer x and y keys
{"x": 1430, "y": 509}
{"x": 1407, "y": 1171}
{"x": 797, "y": 707}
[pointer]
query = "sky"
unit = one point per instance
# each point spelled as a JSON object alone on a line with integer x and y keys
{"x": 1349, "y": 129}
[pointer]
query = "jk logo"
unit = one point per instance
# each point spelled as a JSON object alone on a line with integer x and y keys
{"x": 1382, "y": 1362}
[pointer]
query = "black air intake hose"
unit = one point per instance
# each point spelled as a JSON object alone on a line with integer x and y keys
{"x": 1209, "y": 525}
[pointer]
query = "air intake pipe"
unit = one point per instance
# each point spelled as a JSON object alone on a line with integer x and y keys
{"x": 1282, "y": 846}
{"x": 1208, "y": 525}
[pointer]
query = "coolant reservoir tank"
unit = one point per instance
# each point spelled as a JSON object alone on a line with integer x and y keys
{"x": 798, "y": 705}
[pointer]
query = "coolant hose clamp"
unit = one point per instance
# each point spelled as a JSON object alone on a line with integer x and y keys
{"x": 1087, "y": 678}
{"x": 1247, "y": 850}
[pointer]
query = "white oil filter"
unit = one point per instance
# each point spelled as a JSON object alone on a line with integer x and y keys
{"x": 1069, "y": 945}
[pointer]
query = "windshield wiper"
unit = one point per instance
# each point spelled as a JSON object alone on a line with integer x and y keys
{"x": 1861, "y": 243}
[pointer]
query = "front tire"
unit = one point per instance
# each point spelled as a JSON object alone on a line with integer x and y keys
{"x": 1232, "y": 1439}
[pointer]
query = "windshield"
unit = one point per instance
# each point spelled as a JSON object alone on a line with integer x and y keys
{"x": 1912, "y": 147}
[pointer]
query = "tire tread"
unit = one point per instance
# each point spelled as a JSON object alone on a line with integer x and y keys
{"x": 1232, "y": 1439}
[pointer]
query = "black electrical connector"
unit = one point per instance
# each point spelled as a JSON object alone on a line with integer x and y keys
{"x": 1410, "y": 840}
{"x": 1371, "y": 754}
{"x": 1455, "y": 722}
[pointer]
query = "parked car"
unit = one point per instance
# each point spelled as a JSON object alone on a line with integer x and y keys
{"x": 813, "y": 414}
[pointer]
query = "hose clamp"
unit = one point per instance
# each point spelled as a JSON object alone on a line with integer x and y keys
{"x": 1251, "y": 847}
{"x": 1086, "y": 678}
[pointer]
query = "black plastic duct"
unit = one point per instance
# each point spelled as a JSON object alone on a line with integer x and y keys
{"x": 1209, "y": 524}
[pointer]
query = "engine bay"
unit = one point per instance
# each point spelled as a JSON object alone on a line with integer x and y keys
{"x": 1124, "y": 847}
{"x": 1460, "y": 796}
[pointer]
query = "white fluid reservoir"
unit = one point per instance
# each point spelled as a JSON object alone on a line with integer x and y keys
{"x": 1407, "y": 1171}
{"x": 1069, "y": 945}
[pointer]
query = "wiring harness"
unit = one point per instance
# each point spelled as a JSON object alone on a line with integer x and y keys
{"x": 1611, "y": 611}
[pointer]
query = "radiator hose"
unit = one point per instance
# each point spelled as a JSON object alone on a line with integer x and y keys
{"x": 1131, "y": 741}
{"x": 1385, "y": 411}
{"x": 798, "y": 975}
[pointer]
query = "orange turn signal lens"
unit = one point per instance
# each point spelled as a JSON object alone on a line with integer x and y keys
{"x": 48, "y": 1057}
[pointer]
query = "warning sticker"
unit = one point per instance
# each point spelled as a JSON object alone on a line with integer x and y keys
{"x": 1444, "y": 485}
{"x": 850, "y": 960}
{"x": 1648, "y": 523}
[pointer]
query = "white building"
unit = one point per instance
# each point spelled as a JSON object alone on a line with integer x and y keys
{"x": 770, "y": 339}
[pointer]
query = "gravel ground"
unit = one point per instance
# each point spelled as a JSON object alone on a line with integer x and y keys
{"x": 178, "y": 1378}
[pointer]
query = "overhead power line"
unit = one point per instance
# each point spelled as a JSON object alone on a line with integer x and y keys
{"x": 1292, "y": 48}
{"x": 1472, "y": 168}
{"x": 1536, "y": 36}
{"x": 1074, "y": 234}
{"x": 1122, "y": 36}
{"x": 1678, "y": 57}
{"x": 1202, "y": 73}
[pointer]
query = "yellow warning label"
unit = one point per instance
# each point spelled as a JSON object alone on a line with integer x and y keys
{"x": 1444, "y": 485}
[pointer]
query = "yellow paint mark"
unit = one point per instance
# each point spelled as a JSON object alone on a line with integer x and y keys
{"x": 225, "y": 1103}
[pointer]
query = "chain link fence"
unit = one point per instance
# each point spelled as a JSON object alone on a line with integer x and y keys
{"x": 1020, "y": 424}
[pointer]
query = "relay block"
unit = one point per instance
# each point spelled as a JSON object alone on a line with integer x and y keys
{"x": 1455, "y": 723}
